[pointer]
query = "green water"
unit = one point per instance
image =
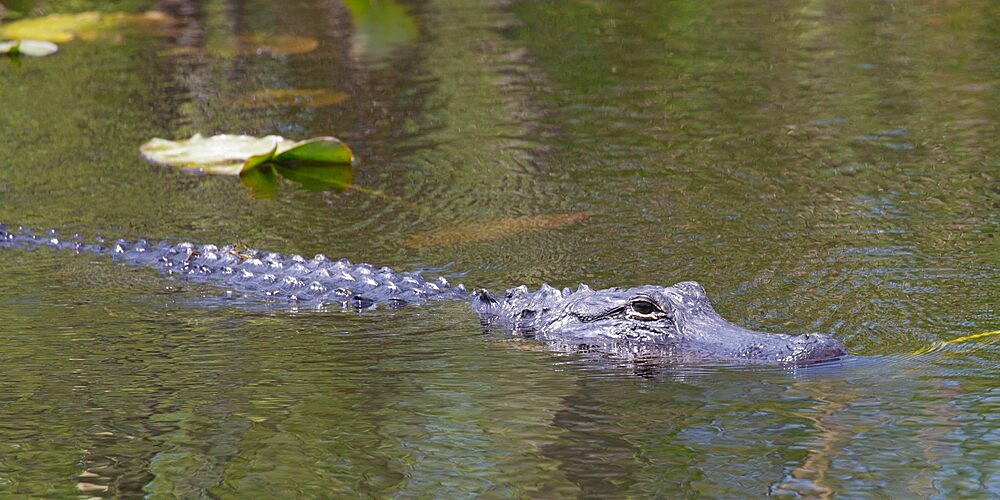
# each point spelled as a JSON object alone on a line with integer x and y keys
{"x": 818, "y": 166}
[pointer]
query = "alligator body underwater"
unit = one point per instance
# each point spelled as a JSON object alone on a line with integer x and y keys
{"x": 674, "y": 324}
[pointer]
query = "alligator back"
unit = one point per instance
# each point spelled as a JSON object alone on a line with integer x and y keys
{"x": 317, "y": 283}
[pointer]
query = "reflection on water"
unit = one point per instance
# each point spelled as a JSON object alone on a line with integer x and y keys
{"x": 821, "y": 167}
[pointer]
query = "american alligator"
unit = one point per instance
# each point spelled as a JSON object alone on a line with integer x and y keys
{"x": 674, "y": 324}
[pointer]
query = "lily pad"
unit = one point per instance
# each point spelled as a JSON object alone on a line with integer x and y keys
{"x": 311, "y": 98}
{"x": 493, "y": 229}
{"x": 220, "y": 154}
{"x": 35, "y": 48}
{"x": 314, "y": 152}
{"x": 85, "y": 25}
{"x": 318, "y": 177}
{"x": 233, "y": 154}
{"x": 264, "y": 179}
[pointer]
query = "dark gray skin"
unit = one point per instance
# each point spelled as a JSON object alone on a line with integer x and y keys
{"x": 674, "y": 324}
{"x": 668, "y": 324}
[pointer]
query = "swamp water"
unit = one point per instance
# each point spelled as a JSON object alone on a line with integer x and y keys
{"x": 816, "y": 166}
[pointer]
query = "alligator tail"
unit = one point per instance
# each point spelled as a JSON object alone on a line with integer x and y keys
{"x": 318, "y": 282}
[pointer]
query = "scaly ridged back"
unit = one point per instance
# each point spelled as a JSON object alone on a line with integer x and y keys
{"x": 317, "y": 282}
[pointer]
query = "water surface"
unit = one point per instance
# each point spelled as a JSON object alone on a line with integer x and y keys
{"x": 816, "y": 166}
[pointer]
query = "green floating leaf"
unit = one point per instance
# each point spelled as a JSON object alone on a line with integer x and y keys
{"x": 256, "y": 161}
{"x": 315, "y": 152}
{"x": 263, "y": 181}
{"x": 235, "y": 154}
{"x": 318, "y": 177}
{"x": 85, "y": 25}
{"x": 34, "y": 48}
{"x": 217, "y": 155}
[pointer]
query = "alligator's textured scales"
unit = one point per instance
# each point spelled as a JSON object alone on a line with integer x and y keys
{"x": 316, "y": 282}
{"x": 675, "y": 324}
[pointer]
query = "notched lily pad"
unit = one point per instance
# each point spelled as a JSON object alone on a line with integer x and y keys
{"x": 85, "y": 25}
{"x": 309, "y": 98}
{"x": 493, "y": 229}
{"x": 319, "y": 164}
{"x": 220, "y": 154}
{"x": 34, "y": 48}
{"x": 233, "y": 154}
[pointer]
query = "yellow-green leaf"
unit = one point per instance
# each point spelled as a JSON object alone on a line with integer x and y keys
{"x": 320, "y": 150}
{"x": 85, "y": 25}
{"x": 318, "y": 177}
{"x": 258, "y": 160}
{"x": 219, "y": 155}
{"x": 321, "y": 163}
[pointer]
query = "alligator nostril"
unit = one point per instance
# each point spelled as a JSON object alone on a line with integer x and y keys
{"x": 819, "y": 346}
{"x": 815, "y": 338}
{"x": 807, "y": 338}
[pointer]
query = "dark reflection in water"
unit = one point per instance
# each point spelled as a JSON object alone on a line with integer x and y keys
{"x": 823, "y": 167}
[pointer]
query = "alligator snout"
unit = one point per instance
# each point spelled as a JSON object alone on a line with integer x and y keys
{"x": 817, "y": 347}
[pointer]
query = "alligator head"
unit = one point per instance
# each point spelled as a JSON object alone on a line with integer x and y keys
{"x": 674, "y": 323}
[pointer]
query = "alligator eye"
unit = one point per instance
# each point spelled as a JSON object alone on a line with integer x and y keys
{"x": 644, "y": 309}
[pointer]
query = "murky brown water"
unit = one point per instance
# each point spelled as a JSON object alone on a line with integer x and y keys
{"x": 817, "y": 166}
